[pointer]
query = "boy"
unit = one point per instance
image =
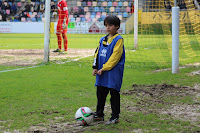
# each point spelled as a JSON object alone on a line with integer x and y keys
{"x": 62, "y": 26}
{"x": 108, "y": 67}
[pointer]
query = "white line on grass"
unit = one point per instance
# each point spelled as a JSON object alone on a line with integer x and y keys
{"x": 74, "y": 59}
{"x": 20, "y": 69}
{"x": 42, "y": 65}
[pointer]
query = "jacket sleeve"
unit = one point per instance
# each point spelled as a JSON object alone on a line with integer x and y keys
{"x": 65, "y": 10}
{"x": 95, "y": 63}
{"x": 115, "y": 57}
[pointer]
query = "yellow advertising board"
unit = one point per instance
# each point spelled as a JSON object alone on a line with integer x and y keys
{"x": 164, "y": 17}
{"x": 52, "y": 27}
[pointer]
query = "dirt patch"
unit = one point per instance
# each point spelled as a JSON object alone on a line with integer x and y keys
{"x": 194, "y": 73}
{"x": 57, "y": 128}
{"x": 184, "y": 112}
{"x": 61, "y": 127}
{"x": 167, "y": 99}
{"x": 30, "y": 57}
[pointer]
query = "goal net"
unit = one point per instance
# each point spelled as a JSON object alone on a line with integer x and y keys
{"x": 155, "y": 32}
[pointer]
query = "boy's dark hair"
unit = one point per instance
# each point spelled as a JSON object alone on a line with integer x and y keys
{"x": 111, "y": 19}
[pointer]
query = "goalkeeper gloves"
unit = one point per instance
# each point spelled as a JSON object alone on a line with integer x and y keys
{"x": 64, "y": 26}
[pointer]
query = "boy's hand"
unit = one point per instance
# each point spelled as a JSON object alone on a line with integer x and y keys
{"x": 100, "y": 72}
{"x": 94, "y": 72}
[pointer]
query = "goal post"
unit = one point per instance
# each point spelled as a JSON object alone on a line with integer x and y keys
{"x": 175, "y": 38}
{"x": 136, "y": 24}
{"x": 47, "y": 31}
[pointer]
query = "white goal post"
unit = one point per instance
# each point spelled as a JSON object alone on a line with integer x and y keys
{"x": 175, "y": 38}
{"x": 47, "y": 31}
{"x": 136, "y": 4}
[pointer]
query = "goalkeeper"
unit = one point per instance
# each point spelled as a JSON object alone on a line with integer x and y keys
{"x": 62, "y": 26}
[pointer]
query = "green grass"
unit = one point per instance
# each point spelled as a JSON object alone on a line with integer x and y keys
{"x": 36, "y": 96}
{"x": 36, "y": 41}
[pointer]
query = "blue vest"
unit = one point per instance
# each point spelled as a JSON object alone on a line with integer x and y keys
{"x": 113, "y": 77}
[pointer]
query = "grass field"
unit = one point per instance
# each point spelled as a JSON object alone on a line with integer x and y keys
{"x": 45, "y": 98}
{"x": 152, "y": 49}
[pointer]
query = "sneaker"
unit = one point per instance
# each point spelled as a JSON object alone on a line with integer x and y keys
{"x": 57, "y": 50}
{"x": 112, "y": 121}
{"x": 64, "y": 52}
{"x": 98, "y": 118}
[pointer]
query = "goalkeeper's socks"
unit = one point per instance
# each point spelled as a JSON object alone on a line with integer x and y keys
{"x": 65, "y": 41}
{"x": 59, "y": 38}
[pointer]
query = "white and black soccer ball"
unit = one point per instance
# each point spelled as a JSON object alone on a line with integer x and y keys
{"x": 84, "y": 116}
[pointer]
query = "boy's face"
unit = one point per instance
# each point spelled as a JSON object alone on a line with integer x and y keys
{"x": 111, "y": 29}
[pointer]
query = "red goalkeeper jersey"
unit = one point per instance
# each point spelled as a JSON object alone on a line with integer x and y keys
{"x": 62, "y": 9}
{"x": 63, "y": 14}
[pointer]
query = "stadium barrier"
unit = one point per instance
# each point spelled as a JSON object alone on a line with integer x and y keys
{"x": 73, "y": 27}
{"x": 21, "y": 27}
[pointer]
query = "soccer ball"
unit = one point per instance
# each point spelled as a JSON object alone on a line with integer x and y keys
{"x": 84, "y": 116}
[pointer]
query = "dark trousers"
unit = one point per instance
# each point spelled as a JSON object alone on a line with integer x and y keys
{"x": 102, "y": 93}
